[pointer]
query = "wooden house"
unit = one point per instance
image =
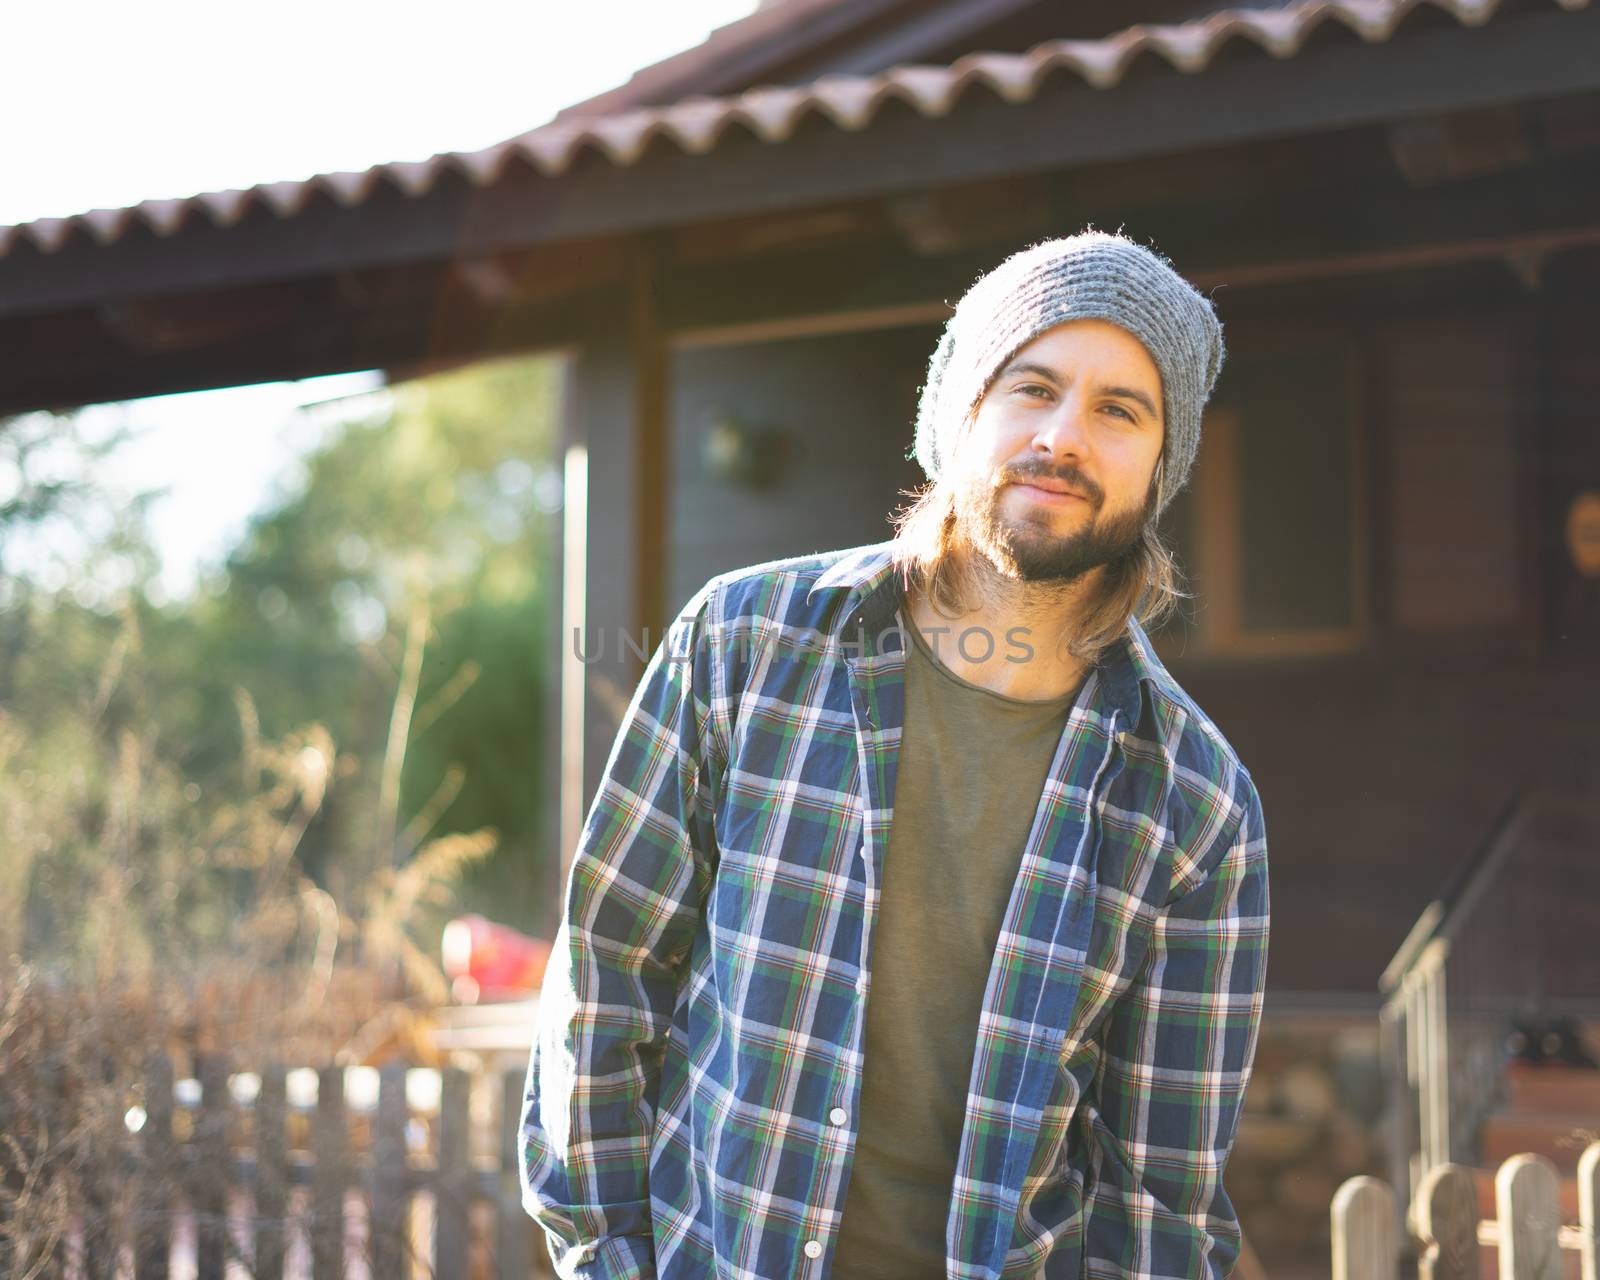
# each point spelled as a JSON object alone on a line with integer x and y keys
{"x": 746, "y": 252}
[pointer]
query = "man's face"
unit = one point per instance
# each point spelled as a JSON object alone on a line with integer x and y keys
{"x": 1077, "y": 409}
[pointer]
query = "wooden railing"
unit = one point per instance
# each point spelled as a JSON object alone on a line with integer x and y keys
{"x": 1479, "y": 954}
{"x": 281, "y": 1175}
{"x": 1445, "y": 1236}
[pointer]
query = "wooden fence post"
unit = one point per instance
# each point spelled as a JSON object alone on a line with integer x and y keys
{"x": 1527, "y": 1193}
{"x": 271, "y": 1140}
{"x": 1589, "y": 1211}
{"x": 454, "y": 1186}
{"x": 391, "y": 1194}
{"x": 1366, "y": 1231}
{"x": 512, "y": 1233}
{"x": 1447, "y": 1219}
{"x": 329, "y": 1179}
{"x": 211, "y": 1172}
{"x": 153, "y": 1223}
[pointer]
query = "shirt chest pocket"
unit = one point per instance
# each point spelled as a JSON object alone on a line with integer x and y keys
{"x": 789, "y": 836}
{"x": 1119, "y": 947}
{"x": 1132, "y": 863}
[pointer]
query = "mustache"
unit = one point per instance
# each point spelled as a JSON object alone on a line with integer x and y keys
{"x": 1074, "y": 479}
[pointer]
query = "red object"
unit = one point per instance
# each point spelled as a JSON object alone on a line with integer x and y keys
{"x": 489, "y": 961}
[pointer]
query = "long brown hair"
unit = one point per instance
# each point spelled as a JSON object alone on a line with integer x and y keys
{"x": 1146, "y": 584}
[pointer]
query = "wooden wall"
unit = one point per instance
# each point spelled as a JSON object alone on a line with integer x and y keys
{"x": 1381, "y": 767}
{"x": 843, "y": 404}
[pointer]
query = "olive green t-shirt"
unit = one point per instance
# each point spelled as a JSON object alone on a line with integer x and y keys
{"x": 971, "y": 773}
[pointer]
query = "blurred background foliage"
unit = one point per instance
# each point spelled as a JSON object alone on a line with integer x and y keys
{"x": 347, "y": 718}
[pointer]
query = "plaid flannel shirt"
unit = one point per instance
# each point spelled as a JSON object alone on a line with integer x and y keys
{"x": 691, "y": 1097}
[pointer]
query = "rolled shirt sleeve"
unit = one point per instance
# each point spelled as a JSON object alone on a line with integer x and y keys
{"x": 1178, "y": 1054}
{"x": 641, "y": 870}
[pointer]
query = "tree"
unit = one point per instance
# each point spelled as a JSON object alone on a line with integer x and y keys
{"x": 441, "y": 504}
{"x": 448, "y": 498}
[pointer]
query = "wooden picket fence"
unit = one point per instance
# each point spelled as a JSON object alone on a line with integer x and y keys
{"x": 1448, "y": 1238}
{"x": 283, "y": 1187}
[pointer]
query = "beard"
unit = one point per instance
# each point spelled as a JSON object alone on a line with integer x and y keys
{"x": 1027, "y": 548}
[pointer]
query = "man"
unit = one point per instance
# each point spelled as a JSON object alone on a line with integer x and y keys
{"x": 919, "y": 927}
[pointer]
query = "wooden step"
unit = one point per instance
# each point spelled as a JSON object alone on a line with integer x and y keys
{"x": 1561, "y": 1138}
{"x": 1563, "y": 1090}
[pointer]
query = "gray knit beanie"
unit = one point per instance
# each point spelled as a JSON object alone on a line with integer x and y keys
{"x": 1092, "y": 275}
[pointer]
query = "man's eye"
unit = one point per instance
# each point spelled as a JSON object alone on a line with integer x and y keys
{"x": 1119, "y": 409}
{"x": 1027, "y": 388}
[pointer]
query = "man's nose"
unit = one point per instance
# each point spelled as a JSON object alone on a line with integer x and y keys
{"x": 1064, "y": 432}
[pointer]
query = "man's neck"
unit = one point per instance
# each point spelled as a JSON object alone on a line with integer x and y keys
{"x": 1013, "y": 640}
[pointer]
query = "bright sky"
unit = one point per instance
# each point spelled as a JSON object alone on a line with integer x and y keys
{"x": 105, "y": 103}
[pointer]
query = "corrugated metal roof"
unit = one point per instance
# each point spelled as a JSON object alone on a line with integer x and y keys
{"x": 697, "y": 125}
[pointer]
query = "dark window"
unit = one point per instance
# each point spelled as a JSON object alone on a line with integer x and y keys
{"x": 1269, "y": 531}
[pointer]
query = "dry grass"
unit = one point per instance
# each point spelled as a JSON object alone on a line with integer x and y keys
{"x": 141, "y": 916}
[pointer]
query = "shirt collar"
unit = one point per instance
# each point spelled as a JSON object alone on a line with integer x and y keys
{"x": 874, "y": 591}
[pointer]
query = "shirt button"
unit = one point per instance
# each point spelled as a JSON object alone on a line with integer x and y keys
{"x": 861, "y": 986}
{"x": 813, "y": 1248}
{"x": 838, "y": 1115}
